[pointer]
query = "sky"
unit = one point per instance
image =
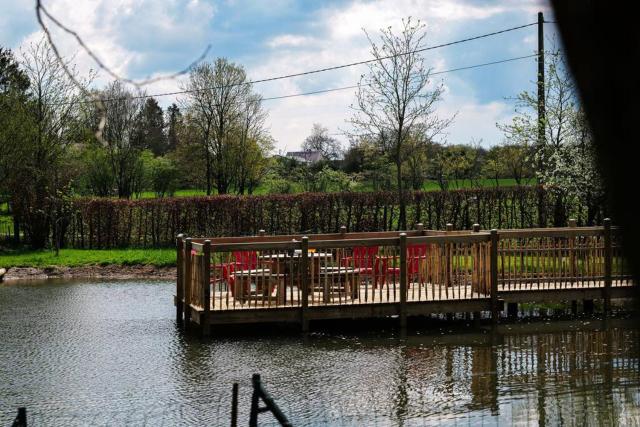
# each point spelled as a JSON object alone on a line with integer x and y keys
{"x": 150, "y": 38}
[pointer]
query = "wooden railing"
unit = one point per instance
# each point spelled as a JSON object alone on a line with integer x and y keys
{"x": 341, "y": 269}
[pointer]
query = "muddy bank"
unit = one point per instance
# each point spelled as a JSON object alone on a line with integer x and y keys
{"x": 92, "y": 271}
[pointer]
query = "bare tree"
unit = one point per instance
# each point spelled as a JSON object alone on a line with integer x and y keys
{"x": 253, "y": 144}
{"x": 121, "y": 115}
{"x": 215, "y": 103}
{"x": 319, "y": 140}
{"x": 394, "y": 98}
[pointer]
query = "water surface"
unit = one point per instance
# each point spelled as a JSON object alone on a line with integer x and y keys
{"x": 109, "y": 353}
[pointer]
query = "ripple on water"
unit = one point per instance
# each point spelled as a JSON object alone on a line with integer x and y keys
{"x": 109, "y": 353}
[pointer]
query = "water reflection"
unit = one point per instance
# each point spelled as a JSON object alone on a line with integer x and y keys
{"x": 106, "y": 353}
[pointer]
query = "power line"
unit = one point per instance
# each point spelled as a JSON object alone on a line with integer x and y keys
{"x": 316, "y": 92}
{"x": 321, "y": 91}
{"x": 321, "y": 70}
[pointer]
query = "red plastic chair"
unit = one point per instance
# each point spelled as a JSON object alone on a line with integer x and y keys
{"x": 415, "y": 253}
{"x": 365, "y": 260}
{"x": 243, "y": 260}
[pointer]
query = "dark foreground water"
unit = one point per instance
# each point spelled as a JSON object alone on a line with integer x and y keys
{"x": 109, "y": 353}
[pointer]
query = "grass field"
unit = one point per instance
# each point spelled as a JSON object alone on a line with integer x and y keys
{"x": 429, "y": 185}
{"x": 82, "y": 257}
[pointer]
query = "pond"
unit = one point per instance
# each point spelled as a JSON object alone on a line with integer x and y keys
{"x": 109, "y": 353}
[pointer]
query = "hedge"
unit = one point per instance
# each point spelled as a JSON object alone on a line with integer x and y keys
{"x": 110, "y": 223}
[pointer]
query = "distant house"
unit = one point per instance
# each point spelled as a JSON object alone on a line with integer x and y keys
{"x": 308, "y": 157}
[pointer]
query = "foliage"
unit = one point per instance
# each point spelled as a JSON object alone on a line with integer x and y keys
{"x": 564, "y": 157}
{"x": 42, "y": 123}
{"x": 98, "y": 178}
{"x": 224, "y": 114}
{"x": 122, "y": 140}
{"x": 149, "y": 131}
{"x": 162, "y": 176}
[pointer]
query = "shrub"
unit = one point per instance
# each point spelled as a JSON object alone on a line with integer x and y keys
{"x": 105, "y": 223}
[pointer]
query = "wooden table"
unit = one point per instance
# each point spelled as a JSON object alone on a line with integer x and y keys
{"x": 288, "y": 264}
{"x": 343, "y": 280}
{"x": 264, "y": 281}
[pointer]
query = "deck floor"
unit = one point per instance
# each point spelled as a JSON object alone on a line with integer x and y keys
{"x": 222, "y": 300}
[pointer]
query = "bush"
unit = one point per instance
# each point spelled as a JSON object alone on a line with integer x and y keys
{"x": 162, "y": 176}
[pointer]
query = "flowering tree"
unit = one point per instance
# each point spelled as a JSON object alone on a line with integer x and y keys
{"x": 565, "y": 159}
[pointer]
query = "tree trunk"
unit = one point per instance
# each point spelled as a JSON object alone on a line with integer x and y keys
{"x": 402, "y": 217}
{"x": 208, "y": 160}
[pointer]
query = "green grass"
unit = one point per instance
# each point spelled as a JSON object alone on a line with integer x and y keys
{"x": 429, "y": 185}
{"x": 83, "y": 257}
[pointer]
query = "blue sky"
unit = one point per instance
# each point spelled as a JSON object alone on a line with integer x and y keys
{"x": 141, "y": 38}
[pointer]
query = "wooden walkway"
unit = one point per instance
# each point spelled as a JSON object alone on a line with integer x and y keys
{"x": 367, "y": 275}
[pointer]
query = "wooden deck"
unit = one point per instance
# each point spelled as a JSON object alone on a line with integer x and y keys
{"x": 301, "y": 279}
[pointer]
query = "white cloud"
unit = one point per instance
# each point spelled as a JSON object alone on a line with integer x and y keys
{"x": 131, "y": 34}
{"x": 290, "y": 40}
{"x": 125, "y": 33}
{"x": 338, "y": 38}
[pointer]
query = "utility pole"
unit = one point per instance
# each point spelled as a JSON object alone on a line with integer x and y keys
{"x": 541, "y": 116}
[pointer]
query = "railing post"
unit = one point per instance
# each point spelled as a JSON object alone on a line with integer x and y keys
{"x": 420, "y": 228}
{"x": 476, "y": 276}
{"x": 403, "y": 280}
{"x": 448, "y": 256}
{"x": 608, "y": 265}
{"x": 206, "y": 288}
{"x": 305, "y": 276}
{"x": 493, "y": 267}
{"x": 261, "y": 233}
{"x": 572, "y": 223}
{"x": 343, "y": 231}
{"x": 188, "y": 275}
{"x": 572, "y": 253}
{"x": 179, "y": 278}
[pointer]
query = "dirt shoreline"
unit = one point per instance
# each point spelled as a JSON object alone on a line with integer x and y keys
{"x": 91, "y": 272}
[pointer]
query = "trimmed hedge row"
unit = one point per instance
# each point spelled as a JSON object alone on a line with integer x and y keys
{"x": 109, "y": 223}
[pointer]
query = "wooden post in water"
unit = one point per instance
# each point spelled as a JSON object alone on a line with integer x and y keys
{"x": 188, "y": 275}
{"x": 304, "y": 280}
{"x": 234, "y": 405}
{"x": 206, "y": 288}
{"x": 493, "y": 268}
{"x": 403, "y": 280}
{"x": 608, "y": 265}
{"x": 179, "y": 278}
{"x": 21, "y": 418}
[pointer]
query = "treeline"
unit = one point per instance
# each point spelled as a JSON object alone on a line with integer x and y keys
{"x": 63, "y": 138}
{"x": 111, "y": 223}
